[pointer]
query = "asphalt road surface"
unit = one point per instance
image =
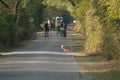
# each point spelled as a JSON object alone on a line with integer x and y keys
{"x": 43, "y": 59}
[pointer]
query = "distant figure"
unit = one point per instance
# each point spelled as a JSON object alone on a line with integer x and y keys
{"x": 46, "y": 28}
{"x": 58, "y": 27}
{"x": 52, "y": 24}
{"x": 65, "y": 48}
{"x": 58, "y": 22}
{"x": 49, "y": 22}
{"x": 63, "y": 28}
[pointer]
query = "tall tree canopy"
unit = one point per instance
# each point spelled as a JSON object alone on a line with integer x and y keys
{"x": 97, "y": 20}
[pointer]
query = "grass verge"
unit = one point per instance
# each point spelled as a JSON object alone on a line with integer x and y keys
{"x": 93, "y": 67}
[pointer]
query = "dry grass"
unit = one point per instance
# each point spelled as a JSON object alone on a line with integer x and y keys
{"x": 94, "y": 67}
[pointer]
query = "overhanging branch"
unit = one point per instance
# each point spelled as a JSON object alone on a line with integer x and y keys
{"x": 72, "y": 2}
{"x": 4, "y": 4}
{"x": 17, "y": 5}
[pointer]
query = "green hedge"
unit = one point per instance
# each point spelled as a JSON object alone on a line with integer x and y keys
{"x": 100, "y": 19}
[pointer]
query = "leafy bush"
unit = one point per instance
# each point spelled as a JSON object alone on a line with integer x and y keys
{"x": 3, "y": 32}
{"x": 108, "y": 13}
{"x": 25, "y": 28}
{"x": 101, "y": 24}
{"x": 94, "y": 33}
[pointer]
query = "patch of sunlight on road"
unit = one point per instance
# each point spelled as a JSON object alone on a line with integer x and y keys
{"x": 46, "y": 58}
{"x": 30, "y": 52}
{"x": 3, "y": 54}
{"x": 37, "y": 52}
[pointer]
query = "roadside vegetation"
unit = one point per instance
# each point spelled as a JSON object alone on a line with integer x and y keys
{"x": 18, "y": 21}
{"x": 100, "y": 21}
{"x": 98, "y": 24}
{"x": 93, "y": 67}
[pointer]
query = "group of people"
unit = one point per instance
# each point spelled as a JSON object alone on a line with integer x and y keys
{"x": 62, "y": 29}
{"x": 60, "y": 26}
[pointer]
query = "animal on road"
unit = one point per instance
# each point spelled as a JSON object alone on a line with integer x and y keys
{"x": 65, "y": 48}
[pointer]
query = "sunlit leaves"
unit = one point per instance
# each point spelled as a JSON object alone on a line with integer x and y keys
{"x": 57, "y": 3}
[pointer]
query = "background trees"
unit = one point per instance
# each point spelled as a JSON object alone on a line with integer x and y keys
{"x": 98, "y": 21}
{"x": 56, "y": 8}
{"x": 18, "y": 20}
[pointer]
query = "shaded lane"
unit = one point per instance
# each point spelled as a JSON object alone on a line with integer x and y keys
{"x": 41, "y": 60}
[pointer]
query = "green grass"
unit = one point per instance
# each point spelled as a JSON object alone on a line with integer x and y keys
{"x": 107, "y": 75}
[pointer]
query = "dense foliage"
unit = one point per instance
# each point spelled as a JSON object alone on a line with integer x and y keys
{"x": 97, "y": 20}
{"x": 18, "y": 20}
{"x": 100, "y": 20}
{"x": 56, "y": 8}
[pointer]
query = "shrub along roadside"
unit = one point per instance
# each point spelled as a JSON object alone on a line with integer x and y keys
{"x": 100, "y": 20}
{"x": 10, "y": 33}
{"x": 93, "y": 67}
{"x": 17, "y": 21}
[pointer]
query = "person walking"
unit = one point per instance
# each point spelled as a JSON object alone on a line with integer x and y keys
{"x": 63, "y": 29}
{"x": 46, "y": 29}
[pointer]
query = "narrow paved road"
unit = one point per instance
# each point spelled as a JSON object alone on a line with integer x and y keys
{"x": 42, "y": 60}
